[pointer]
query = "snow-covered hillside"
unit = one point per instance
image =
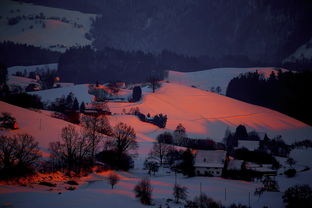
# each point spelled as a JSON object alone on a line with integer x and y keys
{"x": 304, "y": 52}
{"x": 80, "y": 91}
{"x": 42, "y": 127}
{"x": 52, "y": 28}
{"x": 207, "y": 114}
{"x": 33, "y": 68}
{"x": 202, "y": 113}
{"x": 207, "y": 79}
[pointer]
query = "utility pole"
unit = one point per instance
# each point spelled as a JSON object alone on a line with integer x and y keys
{"x": 224, "y": 194}
{"x": 175, "y": 177}
{"x": 249, "y": 199}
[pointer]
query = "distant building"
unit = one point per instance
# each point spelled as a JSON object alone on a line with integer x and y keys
{"x": 209, "y": 162}
{"x": 263, "y": 169}
{"x": 251, "y": 145}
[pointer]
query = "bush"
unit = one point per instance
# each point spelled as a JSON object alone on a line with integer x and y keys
{"x": 204, "y": 201}
{"x": 290, "y": 173}
{"x": 238, "y": 206}
{"x": 72, "y": 183}
{"x": 45, "y": 183}
{"x": 114, "y": 161}
{"x": 7, "y": 121}
{"x": 24, "y": 100}
{"x": 143, "y": 191}
{"x": 136, "y": 93}
{"x": 70, "y": 188}
{"x": 113, "y": 179}
{"x": 298, "y": 196}
{"x": 151, "y": 166}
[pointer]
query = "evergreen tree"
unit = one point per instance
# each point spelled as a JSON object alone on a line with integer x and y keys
{"x": 136, "y": 93}
{"x": 82, "y": 107}
{"x": 75, "y": 105}
{"x": 3, "y": 74}
{"x": 187, "y": 165}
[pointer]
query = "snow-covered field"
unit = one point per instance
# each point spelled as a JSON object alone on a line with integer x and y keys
{"x": 52, "y": 28}
{"x": 204, "y": 114}
{"x": 207, "y": 79}
{"x": 80, "y": 91}
{"x": 33, "y": 68}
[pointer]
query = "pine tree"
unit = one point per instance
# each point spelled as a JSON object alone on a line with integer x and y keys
{"x": 82, "y": 107}
{"x": 76, "y": 105}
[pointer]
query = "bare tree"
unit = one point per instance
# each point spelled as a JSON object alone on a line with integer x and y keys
{"x": 93, "y": 128}
{"x": 70, "y": 137}
{"x": 125, "y": 138}
{"x": 179, "y": 192}
{"x": 154, "y": 82}
{"x": 290, "y": 161}
{"x": 151, "y": 166}
{"x": 143, "y": 191}
{"x": 160, "y": 149}
{"x": 18, "y": 154}
{"x": 113, "y": 179}
{"x": 73, "y": 153}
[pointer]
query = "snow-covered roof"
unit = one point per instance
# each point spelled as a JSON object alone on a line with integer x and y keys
{"x": 210, "y": 158}
{"x": 248, "y": 144}
{"x": 235, "y": 164}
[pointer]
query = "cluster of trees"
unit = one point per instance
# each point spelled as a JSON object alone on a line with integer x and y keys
{"x": 256, "y": 157}
{"x": 77, "y": 151}
{"x": 159, "y": 120}
{"x": 294, "y": 196}
{"x": 136, "y": 94}
{"x": 67, "y": 108}
{"x": 16, "y": 98}
{"x": 19, "y": 154}
{"x": 84, "y": 65}
{"x": 180, "y": 138}
{"x": 16, "y": 54}
{"x": 117, "y": 147}
{"x": 305, "y": 143}
{"x": 284, "y": 92}
{"x": 275, "y": 146}
{"x": 8, "y": 121}
{"x": 22, "y": 99}
{"x": 163, "y": 153}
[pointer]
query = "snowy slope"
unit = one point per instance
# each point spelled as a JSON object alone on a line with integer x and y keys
{"x": 80, "y": 91}
{"x": 302, "y": 53}
{"x": 33, "y": 68}
{"x": 213, "y": 77}
{"x": 207, "y": 114}
{"x": 20, "y": 81}
{"x": 52, "y": 28}
{"x": 43, "y": 128}
{"x": 202, "y": 113}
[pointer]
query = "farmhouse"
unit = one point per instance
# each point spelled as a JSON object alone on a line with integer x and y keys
{"x": 209, "y": 162}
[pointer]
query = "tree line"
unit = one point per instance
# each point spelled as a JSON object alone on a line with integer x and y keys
{"x": 286, "y": 92}
{"x": 84, "y": 65}
{"x": 16, "y": 54}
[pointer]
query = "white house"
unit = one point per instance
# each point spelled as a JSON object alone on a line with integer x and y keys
{"x": 209, "y": 162}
